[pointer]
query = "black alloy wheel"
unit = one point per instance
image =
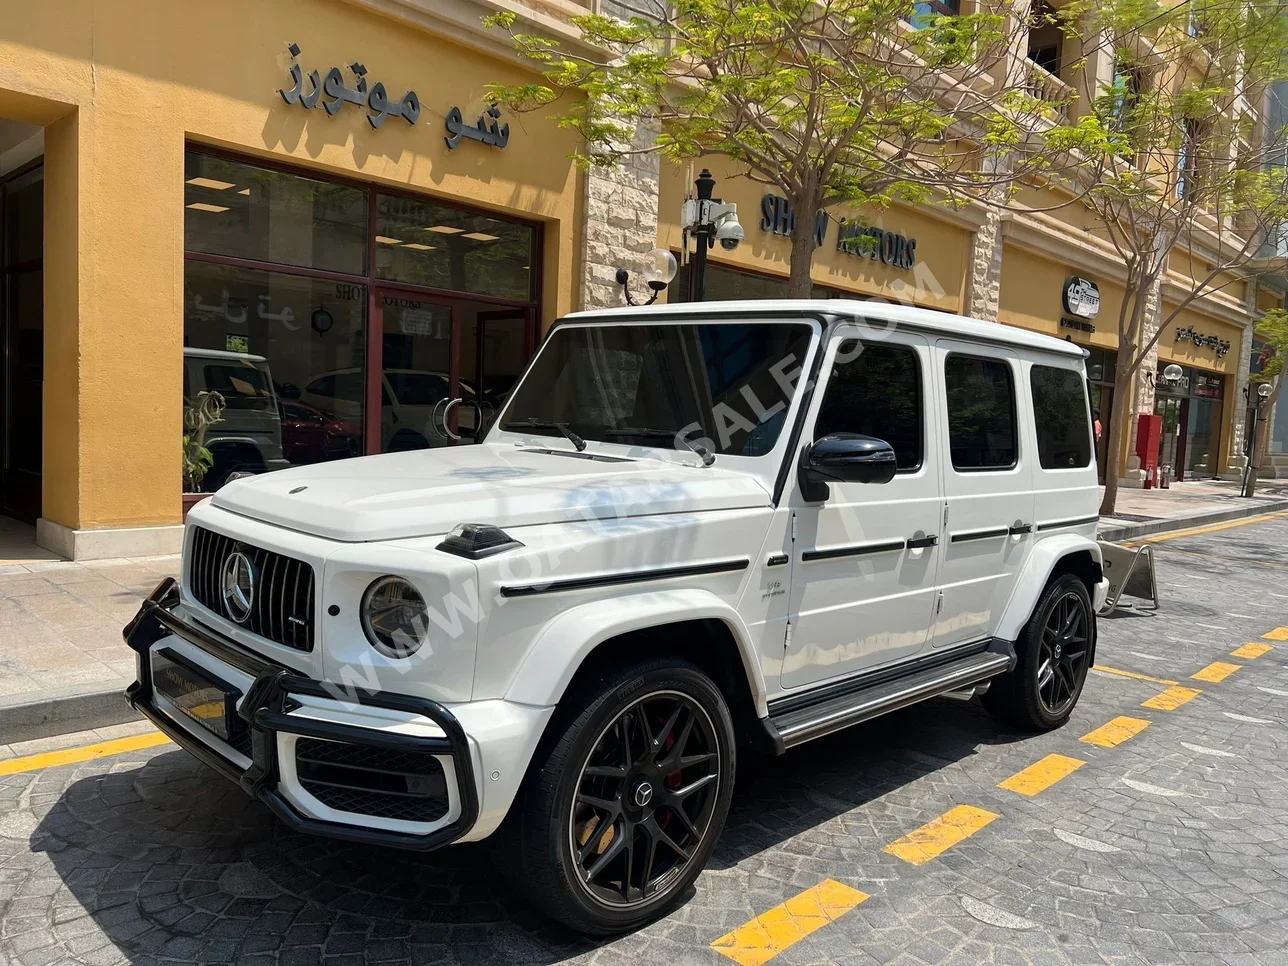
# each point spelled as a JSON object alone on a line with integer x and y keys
{"x": 1053, "y": 653}
{"x": 1062, "y": 654}
{"x": 644, "y": 799}
{"x": 625, "y": 800}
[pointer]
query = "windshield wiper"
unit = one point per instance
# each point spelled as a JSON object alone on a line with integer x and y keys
{"x": 707, "y": 456}
{"x": 538, "y": 424}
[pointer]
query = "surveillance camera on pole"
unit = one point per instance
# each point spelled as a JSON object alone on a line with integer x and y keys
{"x": 707, "y": 220}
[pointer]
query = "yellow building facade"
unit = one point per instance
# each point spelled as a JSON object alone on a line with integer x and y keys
{"x": 164, "y": 138}
{"x": 312, "y": 210}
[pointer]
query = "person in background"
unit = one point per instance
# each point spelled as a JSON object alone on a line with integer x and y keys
{"x": 1095, "y": 416}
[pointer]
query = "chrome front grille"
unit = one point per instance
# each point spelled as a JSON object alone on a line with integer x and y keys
{"x": 282, "y": 605}
{"x": 406, "y": 785}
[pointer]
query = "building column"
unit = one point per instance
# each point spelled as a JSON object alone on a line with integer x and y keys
{"x": 621, "y": 222}
{"x": 113, "y": 314}
{"x": 984, "y": 274}
{"x": 1235, "y": 394}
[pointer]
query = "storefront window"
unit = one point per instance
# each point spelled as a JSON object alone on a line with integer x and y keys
{"x": 265, "y": 342}
{"x": 281, "y": 293}
{"x": 264, "y": 215}
{"x": 447, "y": 248}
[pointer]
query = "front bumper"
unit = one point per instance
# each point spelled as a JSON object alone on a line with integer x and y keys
{"x": 268, "y": 712}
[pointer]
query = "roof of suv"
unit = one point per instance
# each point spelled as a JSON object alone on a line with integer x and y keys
{"x": 923, "y": 320}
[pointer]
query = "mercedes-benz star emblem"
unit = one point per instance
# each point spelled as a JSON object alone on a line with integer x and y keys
{"x": 238, "y": 586}
{"x": 643, "y": 794}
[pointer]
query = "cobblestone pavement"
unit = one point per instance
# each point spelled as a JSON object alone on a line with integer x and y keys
{"x": 1168, "y": 847}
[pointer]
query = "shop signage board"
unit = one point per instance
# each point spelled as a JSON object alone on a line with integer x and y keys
{"x": 853, "y": 237}
{"x": 1216, "y": 343}
{"x": 333, "y": 92}
{"x": 1081, "y": 297}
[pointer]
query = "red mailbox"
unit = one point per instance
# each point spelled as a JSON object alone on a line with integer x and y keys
{"x": 1149, "y": 432}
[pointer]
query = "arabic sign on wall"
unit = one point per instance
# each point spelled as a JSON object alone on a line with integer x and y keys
{"x": 853, "y": 237}
{"x": 1218, "y": 345}
{"x": 1081, "y": 297}
{"x": 333, "y": 92}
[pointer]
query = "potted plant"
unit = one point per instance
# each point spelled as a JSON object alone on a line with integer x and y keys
{"x": 198, "y": 417}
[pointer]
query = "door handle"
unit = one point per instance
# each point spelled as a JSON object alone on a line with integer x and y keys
{"x": 1021, "y": 528}
{"x": 916, "y": 543}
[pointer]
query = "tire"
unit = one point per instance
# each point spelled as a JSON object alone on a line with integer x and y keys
{"x": 553, "y": 844}
{"x": 1027, "y": 697}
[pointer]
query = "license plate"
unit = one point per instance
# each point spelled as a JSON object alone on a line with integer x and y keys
{"x": 201, "y": 697}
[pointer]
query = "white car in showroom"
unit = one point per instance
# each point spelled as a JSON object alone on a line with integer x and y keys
{"x": 693, "y": 530}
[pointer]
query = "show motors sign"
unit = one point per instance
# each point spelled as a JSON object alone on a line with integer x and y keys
{"x": 854, "y": 237}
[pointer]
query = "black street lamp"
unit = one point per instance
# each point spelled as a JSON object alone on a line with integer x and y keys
{"x": 657, "y": 275}
{"x": 708, "y": 220}
{"x": 1250, "y": 470}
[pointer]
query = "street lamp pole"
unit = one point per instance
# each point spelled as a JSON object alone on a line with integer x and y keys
{"x": 702, "y": 231}
{"x": 1259, "y": 417}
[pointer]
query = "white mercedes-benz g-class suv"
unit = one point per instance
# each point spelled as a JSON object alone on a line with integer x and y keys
{"x": 691, "y": 530}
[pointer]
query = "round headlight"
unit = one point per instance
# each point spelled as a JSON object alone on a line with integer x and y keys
{"x": 394, "y": 617}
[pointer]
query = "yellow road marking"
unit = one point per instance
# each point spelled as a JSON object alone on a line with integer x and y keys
{"x": 1041, "y": 775}
{"x": 1171, "y": 699}
{"x": 770, "y": 933}
{"x": 1278, "y": 634}
{"x": 1216, "y": 672}
{"x": 69, "y": 756}
{"x": 1196, "y": 531}
{"x": 1252, "y": 651}
{"x": 941, "y": 834}
{"x": 1130, "y": 674}
{"x": 1116, "y": 732}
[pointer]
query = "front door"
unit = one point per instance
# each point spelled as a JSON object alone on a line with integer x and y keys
{"x": 22, "y": 332}
{"x": 988, "y": 488}
{"x": 1171, "y": 441}
{"x": 864, "y": 562}
{"x": 502, "y": 351}
{"x": 418, "y": 373}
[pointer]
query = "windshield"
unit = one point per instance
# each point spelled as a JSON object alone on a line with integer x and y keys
{"x": 728, "y": 386}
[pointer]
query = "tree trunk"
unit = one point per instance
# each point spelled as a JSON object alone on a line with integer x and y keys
{"x": 1118, "y": 427}
{"x": 800, "y": 284}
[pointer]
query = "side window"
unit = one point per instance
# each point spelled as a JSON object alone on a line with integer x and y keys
{"x": 1061, "y": 415}
{"x": 981, "y": 413}
{"x": 875, "y": 390}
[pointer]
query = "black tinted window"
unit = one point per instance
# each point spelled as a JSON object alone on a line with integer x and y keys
{"x": 981, "y": 412}
{"x": 728, "y": 386}
{"x": 1060, "y": 411}
{"x": 875, "y": 390}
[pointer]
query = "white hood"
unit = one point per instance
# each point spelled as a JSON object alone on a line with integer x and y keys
{"x": 401, "y": 495}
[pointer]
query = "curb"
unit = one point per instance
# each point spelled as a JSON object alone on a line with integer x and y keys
{"x": 1134, "y": 530}
{"x": 50, "y": 713}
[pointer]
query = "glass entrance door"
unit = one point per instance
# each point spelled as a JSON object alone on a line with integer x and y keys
{"x": 418, "y": 374}
{"x": 1171, "y": 444}
{"x": 502, "y": 349}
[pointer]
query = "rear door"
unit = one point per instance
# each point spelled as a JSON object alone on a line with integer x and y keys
{"x": 984, "y": 418}
{"x": 1066, "y": 492}
{"x": 864, "y": 562}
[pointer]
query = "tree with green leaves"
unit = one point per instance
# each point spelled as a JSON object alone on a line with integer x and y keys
{"x": 1272, "y": 331}
{"x": 1178, "y": 160}
{"x": 862, "y": 103}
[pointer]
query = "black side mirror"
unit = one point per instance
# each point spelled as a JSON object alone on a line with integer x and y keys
{"x": 844, "y": 458}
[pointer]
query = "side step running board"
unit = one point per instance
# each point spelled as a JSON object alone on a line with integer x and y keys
{"x": 816, "y": 720}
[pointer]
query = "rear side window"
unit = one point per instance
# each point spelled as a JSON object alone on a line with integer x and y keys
{"x": 1062, "y": 418}
{"x": 981, "y": 413}
{"x": 875, "y": 390}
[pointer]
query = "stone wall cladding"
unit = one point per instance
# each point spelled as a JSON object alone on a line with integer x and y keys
{"x": 621, "y": 222}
